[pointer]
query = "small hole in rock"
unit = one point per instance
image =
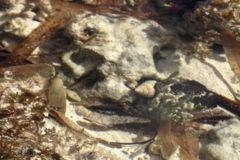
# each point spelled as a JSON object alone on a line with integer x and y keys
{"x": 56, "y": 156}
{"x": 91, "y": 78}
{"x": 90, "y": 31}
{"x": 167, "y": 48}
{"x": 4, "y": 5}
{"x": 36, "y": 10}
{"x": 217, "y": 48}
{"x": 4, "y": 55}
{"x": 143, "y": 79}
{"x": 187, "y": 38}
{"x": 157, "y": 57}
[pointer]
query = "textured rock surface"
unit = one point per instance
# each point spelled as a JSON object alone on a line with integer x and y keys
{"x": 19, "y": 18}
{"x": 129, "y": 57}
{"x": 33, "y": 81}
{"x": 114, "y": 62}
{"x": 222, "y": 142}
{"x": 130, "y": 61}
{"x": 127, "y": 47}
{"x": 121, "y": 41}
{"x": 19, "y": 26}
{"x": 214, "y": 72}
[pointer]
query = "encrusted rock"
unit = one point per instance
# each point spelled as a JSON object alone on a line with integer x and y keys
{"x": 126, "y": 45}
{"x": 222, "y": 142}
{"x": 81, "y": 62}
{"x": 20, "y": 26}
{"x": 113, "y": 61}
{"x": 20, "y": 18}
{"x": 121, "y": 41}
{"x": 223, "y": 81}
{"x": 31, "y": 78}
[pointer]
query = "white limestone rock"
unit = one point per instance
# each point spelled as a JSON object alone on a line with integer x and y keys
{"x": 19, "y": 18}
{"x": 20, "y": 27}
{"x": 126, "y": 44}
{"x": 112, "y": 87}
{"x": 222, "y": 143}
{"x": 11, "y": 7}
{"x": 81, "y": 62}
{"x": 135, "y": 51}
{"x": 32, "y": 78}
{"x": 213, "y": 72}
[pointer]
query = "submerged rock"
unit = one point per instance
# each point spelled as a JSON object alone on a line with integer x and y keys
{"x": 222, "y": 142}
{"x": 32, "y": 78}
{"x": 126, "y": 44}
{"x": 118, "y": 63}
{"x": 137, "y": 57}
{"x": 81, "y": 62}
{"x": 20, "y": 18}
{"x": 126, "y": 47}
{"x": 214, "y": 72}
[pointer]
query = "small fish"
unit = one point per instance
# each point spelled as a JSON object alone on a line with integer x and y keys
{"x": 57, "y": 95}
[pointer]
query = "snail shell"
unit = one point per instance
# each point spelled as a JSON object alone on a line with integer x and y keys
{"x": 146, "y": 89}
{"x": 73, "y": 96}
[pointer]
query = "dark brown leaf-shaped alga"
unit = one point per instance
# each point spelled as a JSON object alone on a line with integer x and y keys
{"x": 170, "y": 137}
